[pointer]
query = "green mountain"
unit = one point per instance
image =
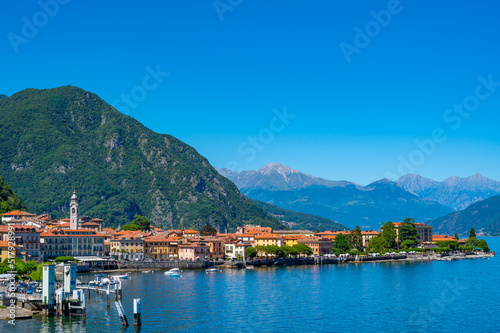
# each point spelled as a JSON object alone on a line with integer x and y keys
{"x": 483, "y": 216}
{"x": 8, "y": 199}
{"x": 57, "y": 140}
{"x": 296, "y": 220}
{"x": 348, "y": 203}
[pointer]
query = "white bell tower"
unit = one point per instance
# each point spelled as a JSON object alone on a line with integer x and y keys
{"x": 73, "y": 215}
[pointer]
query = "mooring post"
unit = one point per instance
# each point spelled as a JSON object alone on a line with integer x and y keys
{"x": 107, "y": 295}
{"x": 137, "y": 312}
{"x": 121, "y": 313}
{"x": 116, "y": 292}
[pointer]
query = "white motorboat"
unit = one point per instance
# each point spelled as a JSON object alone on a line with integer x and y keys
{"x": 147, "y": 271}
{"x": 249, "y": 267}
{"x": 174, "y": 272}
{"x": 212, "y": 270}
{"x": 120, "y": 277}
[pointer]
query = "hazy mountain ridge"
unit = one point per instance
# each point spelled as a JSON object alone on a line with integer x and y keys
{"x": 346, "y": 202}
{"x": 56, "y": 140}
{"x": 454, "y": 192}
{"x": 296, "y": 220}
{"x": 483, "y": 216}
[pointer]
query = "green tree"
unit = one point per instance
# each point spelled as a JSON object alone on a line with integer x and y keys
{"x": 208, "y": 231}
{"x": 251, "y": 252}
{"x": 131, "y": 226}
{"x": 356, "y": 239}
{"x": 143, "y": 222}
{"x": 408, "y": 244}
{"x": 452, "y": 245}
{"x": 377, "y": 244}
{"x": 407, "y": 231}
{"x": 303, "y": 249}
{"x": 483, "y": 245}
{"x": 390, "y": 235}
{"x": 64, "y": 258}
{"x": 239, "y": 257}
{"x": 472, "y": 233}
{"x": 456, "y": 236}
{"x": 472, "y": 241}
{"x": 342, "y": 243}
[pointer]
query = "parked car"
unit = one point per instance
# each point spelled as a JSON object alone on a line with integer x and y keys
{"x": 30, "y": 291}
{"x": 39, "y": 290}
{"x": 21, "y": 289}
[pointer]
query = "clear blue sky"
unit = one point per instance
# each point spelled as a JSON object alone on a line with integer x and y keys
{"x": 357, "y": 112}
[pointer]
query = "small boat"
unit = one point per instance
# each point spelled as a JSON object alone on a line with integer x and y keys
{"x": 147, "y": 271}
{"x": 120, "y": 277}
{"x": 174, "y": 272}
{"x": 249, "y": 267}
{"x": 212, "y": 270}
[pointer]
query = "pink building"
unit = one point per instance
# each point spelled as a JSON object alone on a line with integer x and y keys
{"x": 194, "y": 251}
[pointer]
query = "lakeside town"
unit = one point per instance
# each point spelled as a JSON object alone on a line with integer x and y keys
{"x": 40, "y": 238}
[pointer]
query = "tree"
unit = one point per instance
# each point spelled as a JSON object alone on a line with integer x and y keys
{"x": 377, "y": 244}
{"x": 472, "y": 241}
{"x": 342, "y": 243}
{"x": 472, "y": 233}
{"x": 303, "y": 249}
{"x": 452, "y": 245}
{"x": 251, "y": 252}
{"x": 239, "y": 257}
{"x": 356, "y": 239}
{"x": 483, "y": 245}
{"x": 407, "y": 231}
{"x": 407, "y": 244}
{"x": 456, "y": 236}
{"x": 317, "y": 230}
{"x": 64, "y": 258}
{"x": 390, "y": 235}
{"x": 208, "y": 231}
{"x": 143, "y": 222}
{"x": 131, "y": 226}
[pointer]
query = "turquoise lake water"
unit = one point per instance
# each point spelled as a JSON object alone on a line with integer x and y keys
{"x": 439, "y": 296}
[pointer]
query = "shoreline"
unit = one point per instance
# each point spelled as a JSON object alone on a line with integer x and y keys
{"x": 310, "y": 262}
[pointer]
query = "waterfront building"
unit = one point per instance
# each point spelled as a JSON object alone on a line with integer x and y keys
{"x": 305, "y": 233}
{"x": 319, "y": 246}
{"x": 27, "y": 240}
{"x": 424, "y": 232}
{"x": 367, "y": 235}
{"x": 292, "y": 239}
{"x": 191, "y": 234}
{"x": 248, "y": 237}
{"x": 194, "y": 250}
{"x": 216, "y": 245}
{"x": 69, "y": 242}
{"x": 127, "y": 245}
{"x": 230, "y": 249}
{"x": 159, "y": 247}
{"x": 240, "y": 248}
{"x": 269, "y": 239}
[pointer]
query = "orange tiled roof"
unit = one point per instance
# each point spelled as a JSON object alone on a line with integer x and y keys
{"x": 267, "y": 236}
{"x": 441, "y": 238}
{"x": 17, "y": 212}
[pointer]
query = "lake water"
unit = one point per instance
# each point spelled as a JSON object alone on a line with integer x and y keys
{"x": 439, "y": 296}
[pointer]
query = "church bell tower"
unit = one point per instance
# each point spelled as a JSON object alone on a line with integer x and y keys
{"x": 73, "y": 216}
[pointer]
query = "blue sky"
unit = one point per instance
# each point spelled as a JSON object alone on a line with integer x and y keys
{"x": 337, "y": 89}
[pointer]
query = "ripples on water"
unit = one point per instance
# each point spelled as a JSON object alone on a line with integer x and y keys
{"x": 390, "y": 297}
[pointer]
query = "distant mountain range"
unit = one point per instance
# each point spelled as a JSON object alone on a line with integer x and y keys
{"x": 454, "y": 192}
{"x": 341, "y": 201}
{"x": 483, "y": 216}
{"x": 296, "y": 220}
{"x": 53, "y": 141}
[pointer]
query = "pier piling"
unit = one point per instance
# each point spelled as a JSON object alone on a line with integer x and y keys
{"x": 137, "y": 312}
{"x": 121, "y": 313}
